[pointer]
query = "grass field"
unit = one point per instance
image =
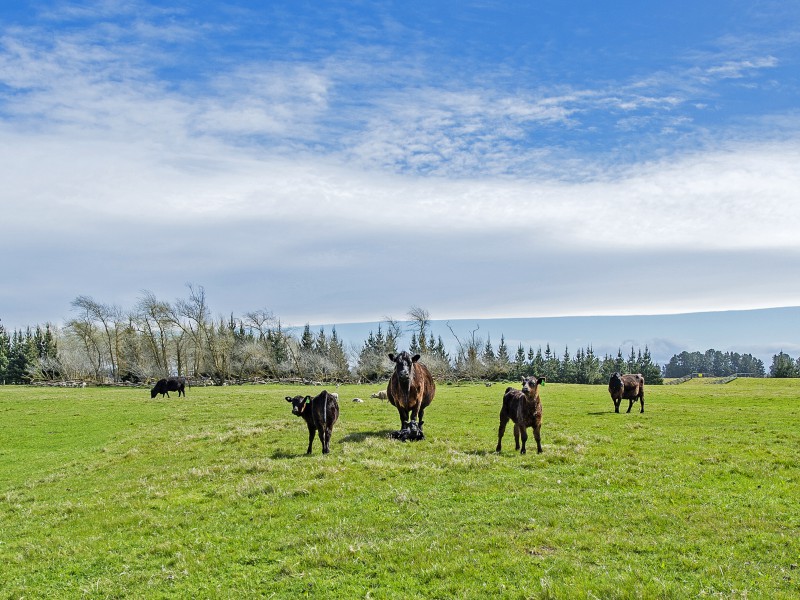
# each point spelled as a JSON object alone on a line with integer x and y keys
{"x": 105, "y": 493}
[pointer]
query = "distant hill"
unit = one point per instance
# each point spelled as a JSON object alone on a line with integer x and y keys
{"x": 762, "y": 333}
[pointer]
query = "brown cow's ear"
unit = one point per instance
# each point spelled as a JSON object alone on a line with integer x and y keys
{"x": 542, "y": 380}
{"x": 415, "y": 358}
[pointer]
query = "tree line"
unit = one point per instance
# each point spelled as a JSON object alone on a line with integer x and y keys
{"x": 103, "y": 343}
{"x": 716, "y": 363}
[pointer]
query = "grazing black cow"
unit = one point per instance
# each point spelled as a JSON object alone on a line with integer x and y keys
{"x": 410, "y": 390}
{"x": 170, "y": 384}
{"x": 630, "y": 387}
{"x": 525, "y": 409}
{"x": 319, "y": 413}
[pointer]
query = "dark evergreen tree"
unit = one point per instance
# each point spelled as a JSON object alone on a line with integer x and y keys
{"x": 503, "y": 360}
{"x": 566, "y": 370}
{"x": 552, "y": 367}
{"x": 538, "y": 364}
{"x": 783, "y": 366}
{"x": 321, "y": 344}
{"x": 519, "y": 362}
{"x": 22, "y": 357}
{"x": 5, "y": 351}
{"x": 307, "y": 339}
{"x": 338, "y": 357}
{"x": 439, "y": 351}
{"x": 488, "y": 355}
{"x": 591, "y": 367}
{"x": 630, "y": 366}
{"x": 649, "y": 370}
{"x": 414, "y": 347}
{"x": 47, "y": 353}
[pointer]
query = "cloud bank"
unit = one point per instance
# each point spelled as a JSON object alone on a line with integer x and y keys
{"x": 352, "y": 182}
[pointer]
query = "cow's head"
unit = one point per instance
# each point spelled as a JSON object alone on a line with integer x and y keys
{"x": 530, "y": 385}
{"x": 153, "y": 393}
{"x": 299, "y": 404}
{"x": 404, "y": 365}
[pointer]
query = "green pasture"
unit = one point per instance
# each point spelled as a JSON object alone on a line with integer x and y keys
{"x": 105, "y": 493}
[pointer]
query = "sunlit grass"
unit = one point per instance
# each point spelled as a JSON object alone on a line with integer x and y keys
{"x": 107, "y": 493}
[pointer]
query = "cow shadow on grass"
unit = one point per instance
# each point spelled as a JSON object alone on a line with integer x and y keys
{"x": 601, "y": 413}
{"x": 481, "y": 453}
{"x": 363, "y": 436}
{"x": 281, "y": 454}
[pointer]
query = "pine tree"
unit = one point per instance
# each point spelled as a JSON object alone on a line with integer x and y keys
{"x": 631, "y": 364}
{"x": 488, "y": 356}
{"x": 538, "y": 364}
{"x": 414, "y": 347}
{"x": 619, "y": 363}
{"x": 22, "y": 357}
{"x": 431, "y": 345}
{"x": 380, "y": 342}
{"x": 307, "y": 339}
{"x": 519, "y": 362}
{"x": 551, "y": 365}
{"x": 566, "y": 371}
{"x": 47, "y": 352}
{"x": 503, "y": 361}
{"x": 5, "y": 351}
{"x": 649, "y": 370}
{"x": 783, "y": 366}
{"x": 440, "y": 351}
{"x": 321, "y": 343}
{"x": 592, "y": 367}
{"x": 338, "y": 357}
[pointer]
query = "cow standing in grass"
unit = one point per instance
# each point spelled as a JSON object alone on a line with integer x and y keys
{"x": 320, "y": 413}
{"x": 170, "y": 384}
{"x": 410, "y": 390}
{"x": 525, "y": 409}
{"x": 630, "y": 387}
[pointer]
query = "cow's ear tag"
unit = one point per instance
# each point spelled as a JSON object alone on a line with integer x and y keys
{"x": 308, "y": 400}
{"x": 542, "y": 384}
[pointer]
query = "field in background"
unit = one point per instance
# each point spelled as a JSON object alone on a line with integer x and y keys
{"x": 107, "y": 493}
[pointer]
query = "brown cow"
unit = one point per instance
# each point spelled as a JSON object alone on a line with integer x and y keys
{"x": 410, "y": 390}
{"x": 630, "y": 387}
{"x": 525, "y": 409}
{"x": 320, "y": 413}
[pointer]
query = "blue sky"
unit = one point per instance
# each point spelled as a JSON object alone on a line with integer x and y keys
{"x": 338, "y": 162}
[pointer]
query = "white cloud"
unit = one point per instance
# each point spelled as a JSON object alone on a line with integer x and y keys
{"x": 739, "y": 68}
{"x": 281, "y": 173}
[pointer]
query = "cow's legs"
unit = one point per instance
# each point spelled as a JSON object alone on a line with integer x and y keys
{"x": 516, "y": 436}
{"x": 524, "y": 435}
{"x": 403, "y": 417}
{"x": 616, "y": 405}
{"x": 415, "y": 431}
{"x": 537, "y": 435}
{"x": 630, "y": 404}
{"x": 311, "y": 433}
{"x": 641, "y": 400}
{"x": 323, "y": 438}
{"x": 501, "y": 430}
